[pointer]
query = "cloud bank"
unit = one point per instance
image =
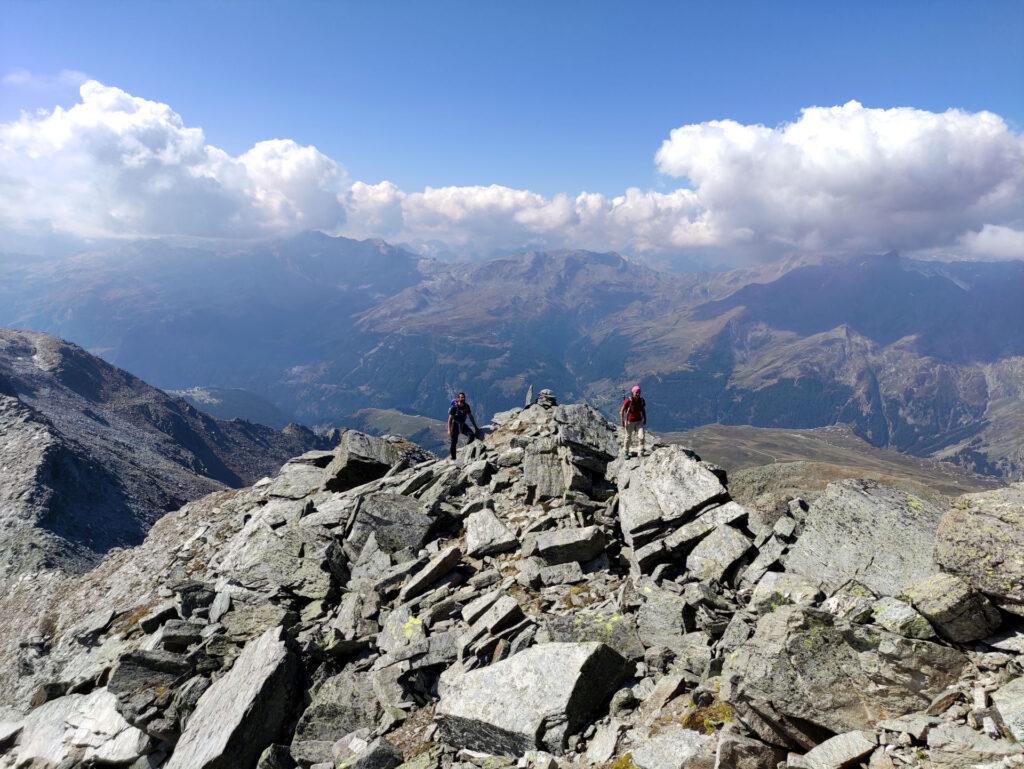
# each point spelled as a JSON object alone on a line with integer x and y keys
{"x": 836, "y": 180}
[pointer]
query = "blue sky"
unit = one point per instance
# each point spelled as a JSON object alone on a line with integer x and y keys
{"x": 540, "y": 95}
{"x": 535, "y": 96}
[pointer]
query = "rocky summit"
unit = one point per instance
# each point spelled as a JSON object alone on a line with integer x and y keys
{"x": 542, "y": 603}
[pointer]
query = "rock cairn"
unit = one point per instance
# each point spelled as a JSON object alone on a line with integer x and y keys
{"x": 541, "y": 602}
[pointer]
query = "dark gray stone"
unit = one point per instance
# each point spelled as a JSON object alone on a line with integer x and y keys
{"x": 243, "y": 711}
{"x": 616, "y": 629}
{"x": 360, "y": 458}
{"x": 398, "y": 522}
{"x": 342, "y": 704}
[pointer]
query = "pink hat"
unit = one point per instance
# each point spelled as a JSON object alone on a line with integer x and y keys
{"x": 636, "y": 389}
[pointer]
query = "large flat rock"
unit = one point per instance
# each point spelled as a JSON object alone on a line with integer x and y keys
{"x": 242, "y": 712}
{"x": 878, "y": 535}
{"x": 531, "y": 700}
{"x": 981, "y": 539}
{"x": 805, "y": 674}
{"x": 360, "y": 458}
{"x": 666, "y": 485}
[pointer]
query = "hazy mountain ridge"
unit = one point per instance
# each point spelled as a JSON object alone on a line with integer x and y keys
{"x": 93, "y": 456}
{"x": 923, "y": 357}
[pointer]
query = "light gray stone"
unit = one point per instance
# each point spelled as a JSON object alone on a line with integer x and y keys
{"x": 567, "y": 545}
{"x": 1009, "y": 701}
{"x": 487, "y": 535}
{"x": 957, "y": 611}
{"x": 531, "y": 700}
{"x": 545, "y": 473}
{"x": 660, "y": 618}
{"x": 242, "y": 712}
{"x": 713, "y": 555}
{"x": 402, "y": 628}
{"x": 836, "y": 752}
{"x": 808, "y": 665}
{"x": 667, "y": 485}
{"x": 981, "y": 539}
{"x": 776, "y": 589}
{"x": 916, "y": 725}
{"x": 852, "y": 601}
{"x": 958, "y": 745}
{"x": 562, "y": 574}
{"x": 603, "y": 744}
{"x": 1011, "y": 641}
{"x": 676, "y": 749}
{"x": 863, "y": 530}
{"x": 297, "y": 478}
{"x": 436, "y": 568}
{"x": 87, "y": 726}
{"x": 899, "y": 617}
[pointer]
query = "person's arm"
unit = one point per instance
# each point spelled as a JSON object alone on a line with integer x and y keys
{"x": 472, "y": 418}
{"x": 449, "y": 423}
{"x": 643, "y": 413}
{"x": 622, "y": 412}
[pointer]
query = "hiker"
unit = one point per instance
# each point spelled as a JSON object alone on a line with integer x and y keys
{"x": 457, "y": 422}
{"x": 633, "y": 416}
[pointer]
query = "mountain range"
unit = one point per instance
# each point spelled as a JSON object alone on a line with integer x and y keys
{"x": 926, "y": 358}
{"x": 92, "y": 456}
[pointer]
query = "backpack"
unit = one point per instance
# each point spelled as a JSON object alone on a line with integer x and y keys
{"x": 459, "y": 414}
{"x": 631, "y": 415}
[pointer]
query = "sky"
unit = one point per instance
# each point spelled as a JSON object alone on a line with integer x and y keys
{"x": 725, "y": 130}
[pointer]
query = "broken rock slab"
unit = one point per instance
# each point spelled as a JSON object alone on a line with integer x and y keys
{"x": 242, "y": 712}
{"x": 958, "y": 612}
{"x": 343, "y": 704}
{"x": 487, "y": 535}
{"x": 837, "y": 752}
{"x": 87, "y": 727}
{"x": 676, "y": 749}
{"x": 900, "y": 617}
{"x": 804, "y": 674}
{"x": 532, "y": 700}
{"x": 866, "y": 531}
{"x": 776, "y": 589}
{"x": 569, "y": 545}
{"x": 719, "y": 550}
{"x": 360, "y": 458}
{"x": 666, "y": 486}
{"x": 981, "y": 539}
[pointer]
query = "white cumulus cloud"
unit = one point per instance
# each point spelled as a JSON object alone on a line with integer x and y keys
{"x": 852, "y": 178}
{"x": 119, "y": 165}
{"x": 837, "y": 179}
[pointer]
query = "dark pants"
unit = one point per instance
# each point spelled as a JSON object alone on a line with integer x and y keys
{"x": 460, "y": 427}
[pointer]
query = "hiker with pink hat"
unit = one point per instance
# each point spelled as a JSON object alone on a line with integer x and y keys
{"x": 633, "y": 416}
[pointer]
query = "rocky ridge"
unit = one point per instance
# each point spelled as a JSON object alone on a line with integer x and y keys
{"x": 540, "y": 602}
{"x": 91, "y": 456}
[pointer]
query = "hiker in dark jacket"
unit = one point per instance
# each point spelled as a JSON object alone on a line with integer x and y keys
{"x": 633, "y": 416}
{"x": 457, "y": 415}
